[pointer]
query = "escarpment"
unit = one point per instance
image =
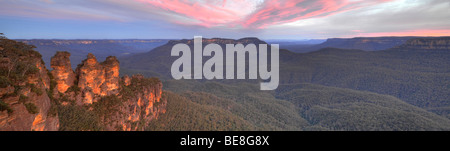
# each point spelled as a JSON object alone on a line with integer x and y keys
{"x": 427, "y": 43}
{"x": 141, "y": 102}
{"x": 25, "y": 104}
{"x": 93, "y": 97}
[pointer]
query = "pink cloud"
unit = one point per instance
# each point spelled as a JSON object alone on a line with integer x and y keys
{"x": 251, "y": 14}
{"x": 206, "y": 13}
{"x": 285, "y": 11}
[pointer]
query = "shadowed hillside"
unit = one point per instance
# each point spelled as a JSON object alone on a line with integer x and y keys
{"x": 349, "y": 89}
{"x": 290, "y": 107}
{"x": 417, "y": 76}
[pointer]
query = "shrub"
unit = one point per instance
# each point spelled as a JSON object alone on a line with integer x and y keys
{"x": 74, "y": 88}
{"x": 23, "y": 98}
{"x": 31, "y": 108}
{"x": 107, "y": 105}
{"x": 36, "y": 90}
{"x": 4, "y": 106}
{"x": 32, "y": 70}
{"x": 4, "y": 82}
{"x": 77, "y": 118}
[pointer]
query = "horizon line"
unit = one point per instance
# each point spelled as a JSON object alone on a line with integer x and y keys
{"x": 221, "y": 38}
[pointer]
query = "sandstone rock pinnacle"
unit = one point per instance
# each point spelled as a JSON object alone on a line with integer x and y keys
{"x": 62, "y": 71}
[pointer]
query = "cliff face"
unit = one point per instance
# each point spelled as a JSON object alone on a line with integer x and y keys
{"x": 362, "y": 43}
{"x": 24, "y": 104}
{"x": 141, "y": 103}
{"x": 62, "y": 71}
{"x": 120, "y": 103}
{"x": 442, "y": 43}
{"x": 33, "y": 98}
{"x": 98, "y": 79}
{"x": 111, "y": 70}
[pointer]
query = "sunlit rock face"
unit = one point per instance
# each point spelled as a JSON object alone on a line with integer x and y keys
{"x": 111, "y": 71}
{"x": 140, "y": 107}
{"x": 98, "y": 79}
{"x": 126, "y": 80}
{"x": 138, "y": 99}
{"x": 26, "y": 98}
{"x": 62, "y": 71}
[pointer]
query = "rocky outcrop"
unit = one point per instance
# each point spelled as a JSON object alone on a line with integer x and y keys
{"x": 111, "y": 84}
{"x": 35, "y": 99}
{"x": 127, "y": 103}
{"x": 24, "y": 102}
{"x": 62, "y": 71}
{"x": 98, "y": 79}
{"x": 142, "y": 102}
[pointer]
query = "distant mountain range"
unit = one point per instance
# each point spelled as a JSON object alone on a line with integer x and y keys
{"x": 101, "y": 48}
{"x": 361, "y": 43}
{"x": 79, "y": 48}
{"x": 416, "y": 72}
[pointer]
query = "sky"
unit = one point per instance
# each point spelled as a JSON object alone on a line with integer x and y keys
{"x": 265, "y": 19}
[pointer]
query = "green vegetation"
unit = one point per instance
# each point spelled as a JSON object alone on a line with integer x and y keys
{"x": 243, "y": 106}
{"x": 23, "y": 99}
{"x": 291, "y": 107}
{"x": 184, "y": 114}
{"x": 136, "y": 85}
{"x": 346, "y": 109}
{"x": 88, "y": 117}
{"x": 31, "y": 108}
{"x": 107, "y": 105}
{"x": 4, "y": 82}
{"x": 330, "y": 89}
{"x": 18, "y": 62}
{"x": 405, "y": 84}
{"x": 4, "y": 106}
{"x": 74, "y": 88}
{"x": 418, "y": 77}
{"x": 35, "y": 89}
{"x": 78, "y": 118}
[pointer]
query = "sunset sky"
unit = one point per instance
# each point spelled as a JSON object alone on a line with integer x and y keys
{"x": 266, "y": 19}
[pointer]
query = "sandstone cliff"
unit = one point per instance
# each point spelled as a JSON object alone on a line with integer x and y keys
{"x": 141, "y": 102}
{"x": 98, "y": 79}
{"x": 24, "y": 102}
{"x": 427, "y": 43}
{"x": 62, "y": 71}
{"x": 92, "y": 98}
{"x": 127, "y": 103}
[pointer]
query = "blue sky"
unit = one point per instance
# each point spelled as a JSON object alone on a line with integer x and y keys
{"x": 266, "y": 19}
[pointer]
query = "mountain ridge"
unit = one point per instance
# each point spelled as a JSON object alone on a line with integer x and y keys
{"x": 405, "y": 73}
